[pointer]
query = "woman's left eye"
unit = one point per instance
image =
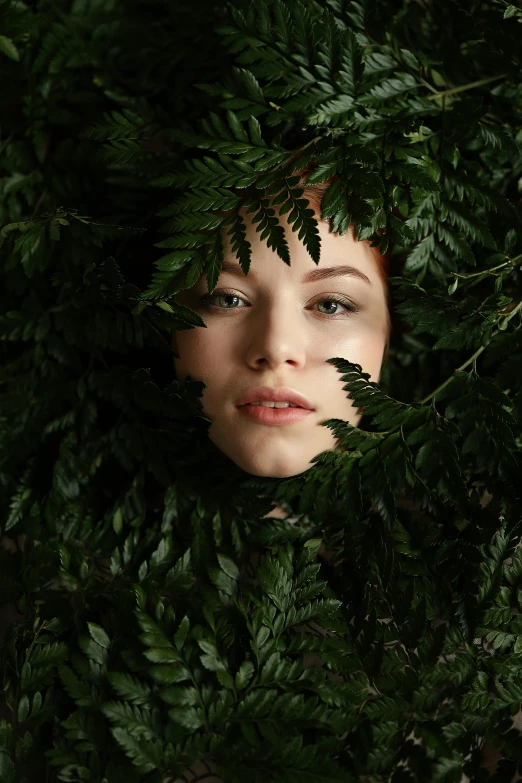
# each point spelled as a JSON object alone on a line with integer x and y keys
{"x": 348, "y": 306}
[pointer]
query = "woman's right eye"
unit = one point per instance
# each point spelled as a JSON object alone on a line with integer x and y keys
{"x": 207, "y": 299}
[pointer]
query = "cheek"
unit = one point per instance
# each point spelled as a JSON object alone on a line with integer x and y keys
{"x": 201, "y": 353}
{"x": 188, "y": 347}
{"x": 365, "y": 346}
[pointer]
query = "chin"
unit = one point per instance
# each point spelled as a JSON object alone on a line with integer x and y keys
{"x": 274, "y": 473}
{"x": 272, "y": 469}
{"x": 259, "y": 457}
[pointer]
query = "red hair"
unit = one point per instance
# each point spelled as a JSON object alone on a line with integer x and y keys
{"x": 314, "y": 194}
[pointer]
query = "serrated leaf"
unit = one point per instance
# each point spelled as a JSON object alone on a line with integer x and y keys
{"x": 244, "y": 675}
{"x": 129, "y": 687}
{"x": 99, "y": 635}
{"x": 228, "y": 566}
{"x": 8, "y": 47}
{"x": 182, "y": 632}
{"x": 23, "y": 708}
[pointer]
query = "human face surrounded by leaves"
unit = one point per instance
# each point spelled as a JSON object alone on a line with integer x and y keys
{"x": 271, "y": 328}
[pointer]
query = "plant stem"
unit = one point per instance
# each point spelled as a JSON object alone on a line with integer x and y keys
{"x": 464, "y": 87}
{"x": 473, "y": 358}
{"x": 485, "y": 271}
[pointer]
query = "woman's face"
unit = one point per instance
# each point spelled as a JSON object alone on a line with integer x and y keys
{"x": 273, "y": 328}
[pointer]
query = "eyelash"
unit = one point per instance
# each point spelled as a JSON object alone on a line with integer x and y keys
{"x": 337, "y": 300}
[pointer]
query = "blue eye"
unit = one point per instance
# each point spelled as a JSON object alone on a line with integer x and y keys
{"x": 348, "y": 306}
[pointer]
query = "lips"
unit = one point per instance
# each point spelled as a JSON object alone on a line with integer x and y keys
{"x": 271, "y": 394}
{"x": 290, "y": 404}
{"x": 274, "y": 417}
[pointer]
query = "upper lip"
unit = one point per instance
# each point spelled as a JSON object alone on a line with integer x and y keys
{"x": 281, "y": 394}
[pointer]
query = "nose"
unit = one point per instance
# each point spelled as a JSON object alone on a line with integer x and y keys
{"x": 276, "y": 335}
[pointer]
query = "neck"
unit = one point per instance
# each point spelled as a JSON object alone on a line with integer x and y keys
{"x": 277, "y": 512}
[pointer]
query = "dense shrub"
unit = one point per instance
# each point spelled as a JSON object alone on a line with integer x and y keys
{"x": 134, "y": 645}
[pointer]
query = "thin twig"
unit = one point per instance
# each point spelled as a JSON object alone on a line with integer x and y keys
{"x": 464, "y": 87}
{"x": 473, "y": 358}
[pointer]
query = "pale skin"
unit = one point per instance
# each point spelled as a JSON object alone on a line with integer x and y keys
{"x": 271, "y": 328}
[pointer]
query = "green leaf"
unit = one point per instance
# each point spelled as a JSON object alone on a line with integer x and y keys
{"x": 77, "y": 689}
{"x": 129, "y": 687}
{"x": 228, "y": 566}
{"x": 244, "y": 675}
{"x": 255, "y": 132}
{"x": 162, "y": 655}
{"x": 94, "y": 651}
{"x": 268, "y": 225}
{"x": 117, "y": 517}
{"x": 23, "y": 708}
{"x": 146, "y": 754}
{"x": 9, "y": 48}
{"x": 313, "y": 545}
{"x": 99, "y": 635}
{"x": 222, "y": 581}
{"x": 240, "y": 245}
{"x": 182, "y": 632}
{"x": 262, "y": 637}
{"x": 137, "y": 722}
{"x": 453, "y": 287}
{"x": 7, "y": 769}
{"x": 215, "y": 256}
{"x": 190, "y": 718}
{"x": 392, "y": 88}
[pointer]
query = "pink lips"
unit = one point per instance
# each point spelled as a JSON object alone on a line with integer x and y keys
{"x": 274, "y": 416}
{"x": 279, "y": 394}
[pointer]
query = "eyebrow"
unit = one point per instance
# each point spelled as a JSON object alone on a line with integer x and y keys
{"x": 311, "y": 277}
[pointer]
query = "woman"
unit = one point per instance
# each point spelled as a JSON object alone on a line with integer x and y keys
{"x": 275, "y": 328}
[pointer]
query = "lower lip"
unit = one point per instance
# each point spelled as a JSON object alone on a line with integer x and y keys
{"x": 274, "y": 416}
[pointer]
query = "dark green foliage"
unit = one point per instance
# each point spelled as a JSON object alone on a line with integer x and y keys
{"x": 132, "y": 135}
